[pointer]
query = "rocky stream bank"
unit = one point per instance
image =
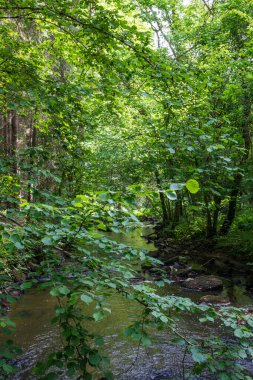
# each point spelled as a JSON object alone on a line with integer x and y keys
{"x": 200, "y": 266}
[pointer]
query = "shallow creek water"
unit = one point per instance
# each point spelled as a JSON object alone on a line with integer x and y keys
{"x": 38, "y": 337}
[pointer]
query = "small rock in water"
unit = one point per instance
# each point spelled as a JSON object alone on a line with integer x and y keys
{"x": 215, "y": 300}
{"x": 44, "y": 279}
{"x": 136, "y": 280}
{"x": 204, "y": 283}
{"x": 13, "y": 292}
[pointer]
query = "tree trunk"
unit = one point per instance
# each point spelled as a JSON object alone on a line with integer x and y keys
{"x": 4, "y": 124}
{"x": 178, "y": 211}
{"x": 217, "y": 201}
{"x": 231, "y": 206}
{"x": 14, "y": 140}
{"x": 238, "y": 177}
{"x": 162, "y": 199}
{"x": 209, "y": 224}
{"x": 32, "y": 144}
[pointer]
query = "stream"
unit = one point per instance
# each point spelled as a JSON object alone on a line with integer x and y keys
{"x": 38, "y": 337}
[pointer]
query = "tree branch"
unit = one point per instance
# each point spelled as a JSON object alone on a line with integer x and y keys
{"x": 21, "y": 9}
{"x": 33, "y": 233}
{"x": 67, "y": 16}
{"x": 207, "y": 6}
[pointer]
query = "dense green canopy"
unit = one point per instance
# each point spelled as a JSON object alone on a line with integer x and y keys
{"x": 115, "y": 109}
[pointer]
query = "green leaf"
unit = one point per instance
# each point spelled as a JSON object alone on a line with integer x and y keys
{"x": 10, "y": 298}
{"x": 101, "y": 226}
{"x": 60, "y": 291}
{"x": 176, "y": 186}
{"x": 146, "y": 341}
{"x": 77, "y": 205}
{"x": 94, "y": 359}
{"x": 15, "y": 238}
{"x": 47, "y": 241}
{"x": 54, "y": 292}
{"x": 242, "y": 354}
{"x": 8, "y": 369}
{"x": 98, "y": 315}
{"x": 249, "y": 321}
{"x": 164, "y": 319}
{"x": 64, "y": 290}
{"x": 26, "y": 285}
{"x": 60, "y": 310}
{"x": 111, "y": 285}
{"x": 10, "y": 323}
{"x": 82, "y": 197}
{"x": 192, "y": 185}
{"x": 87, "y": 299}
{"x": 224, "y": 376}
{"x": 128, "y": 331}
{"x": 99, "y": 341}
{"x": 171, "y": 195}
{"x": 103, "y": 197}
{"x": 197, "y": 356}
{"x": 18, "y": 245}
{"x": 239, "y": 333}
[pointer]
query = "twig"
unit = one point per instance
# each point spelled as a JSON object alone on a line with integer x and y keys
{"x": 183, "y": 362}
{"x": 137, "y": 355}
{"x": 12, "y": 220}
{"x": 32, "y": 232}
{"x": 207, "y": 6}
{"x": 202, "y": 265}
{"x": 126, "y": 294}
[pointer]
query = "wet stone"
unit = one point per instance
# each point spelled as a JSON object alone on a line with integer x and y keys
{"x": 204, "y": 283}
{"x": 215, "y": 300}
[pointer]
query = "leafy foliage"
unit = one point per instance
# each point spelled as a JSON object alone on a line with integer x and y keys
{"x": 110, "y": 110}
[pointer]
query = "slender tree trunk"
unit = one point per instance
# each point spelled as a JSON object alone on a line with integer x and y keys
{"x": 209, "y": 224}
{"x": 4, "y": 132}
{"x": 8, "y": 134}
{"x": 5, "y": 135}
{"x": 162, "y": 199}
{"x": 178, "y": 211}
{"x": 231, "y": 206}
{"x": 238, "y": 177}
{"x": 14, "y": 140}
{"x": 217, "y": 201}
{"x": 168, "y": 208}
{"x": 32, "y": 144}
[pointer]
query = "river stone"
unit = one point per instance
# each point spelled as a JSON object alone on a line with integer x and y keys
{"x": 215, "y": 300}
{"x": 204, "y": 283}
